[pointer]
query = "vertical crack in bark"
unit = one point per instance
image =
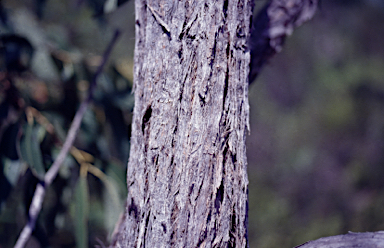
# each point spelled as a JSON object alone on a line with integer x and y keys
{"x": 181, "y": 35}
{"x": 234, "y": 160}
{"x": 219, "y": 197}
{"x": 225, "y": 9}
{"x": 213, "y": 56}
{"x": 155, "y": 159}
{"x": 132, "y": 208}
{"x": 146, "y": 227}
{"x": 146, "y": 117}
{"x": 226, "y": 82}
{"x": 233, "y": 235}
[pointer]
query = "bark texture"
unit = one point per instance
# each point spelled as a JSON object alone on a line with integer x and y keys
{"x": 366, "y": 240}
{"x": 187, "y": 178}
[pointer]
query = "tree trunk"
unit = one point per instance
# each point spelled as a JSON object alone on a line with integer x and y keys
{"x": 187, "y": 178}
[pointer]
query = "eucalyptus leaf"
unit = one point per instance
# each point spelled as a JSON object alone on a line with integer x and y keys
{"x": 81, "y": 214}
{"x": 30, "y": 150}
{"x": 113, "y": 203}
{"x": 12, "y": 170}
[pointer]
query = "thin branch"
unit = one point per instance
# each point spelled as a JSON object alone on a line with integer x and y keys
{"x": 351, "y": 239}
{"x": 38, "y": 197}
{"x": 270, "y": 27}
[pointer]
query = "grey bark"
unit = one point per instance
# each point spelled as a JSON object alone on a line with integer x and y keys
{"x": 187, "y": 178}
{"x": 366, "y": 240}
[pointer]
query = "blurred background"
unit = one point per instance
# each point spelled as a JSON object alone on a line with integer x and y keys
{"x": 315, "y": 151}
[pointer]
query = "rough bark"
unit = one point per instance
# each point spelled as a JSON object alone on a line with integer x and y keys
{"x": 187, "y": 179}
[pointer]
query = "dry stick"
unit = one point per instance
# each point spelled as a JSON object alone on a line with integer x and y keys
{"x": 38, "y": 197}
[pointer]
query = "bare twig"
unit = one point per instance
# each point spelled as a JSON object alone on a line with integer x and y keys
{"x": 38, "y": 197}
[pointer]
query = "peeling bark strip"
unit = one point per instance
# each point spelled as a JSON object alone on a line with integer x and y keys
{"x": 187, "y": 178}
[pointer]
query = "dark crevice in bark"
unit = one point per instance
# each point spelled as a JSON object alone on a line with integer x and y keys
{"x": 201, "y": 186}
{"x": 133, "y": 208}
{"x": 160, "y": 21}
{"x": 225, "y": 9}
{"x": 180, "y": 54}
{"x": 203, "y": 237}
{"x": 234, "y": 163}
{"x": 190, "y": 38}
{"x": 181, "y": 35}
{"x": 157, "y": 171}
{"x": 232, "y": 232}
{"x": 155, "y": 159}
{"x": 146, "y": 227}
{"x": 171, "y": 172}
{"x": 186, "y": 31}
{"x": 225, "y": 151}
{"x": 234, "y": 158}
{"x": 219, "y": 197}
{"x": 182, "y": 88}
{"x": 174, "y": 135}
{"x": 146, "y": 184}
{"x": 213, "y": 55}
{"x": 173, "y": 240}
{"x": 226, "y": 82}
{"x": 202, "y": 100}
{"x": 164, "y": 227}
{"x": 166, "y": 32}
{"x": 146, "y": 118}
{"x": 172, "y": 158}
{"x": 209, "y": 216}
{"x": 191, "y": 188}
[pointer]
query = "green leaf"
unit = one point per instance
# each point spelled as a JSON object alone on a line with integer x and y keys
{"x": 12, "y": 170}
{"x": 113, "y": 203}
{"x": 117, "y": 172}
{"x": 30, "y": 149}
{"x": 81, "y": 212}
